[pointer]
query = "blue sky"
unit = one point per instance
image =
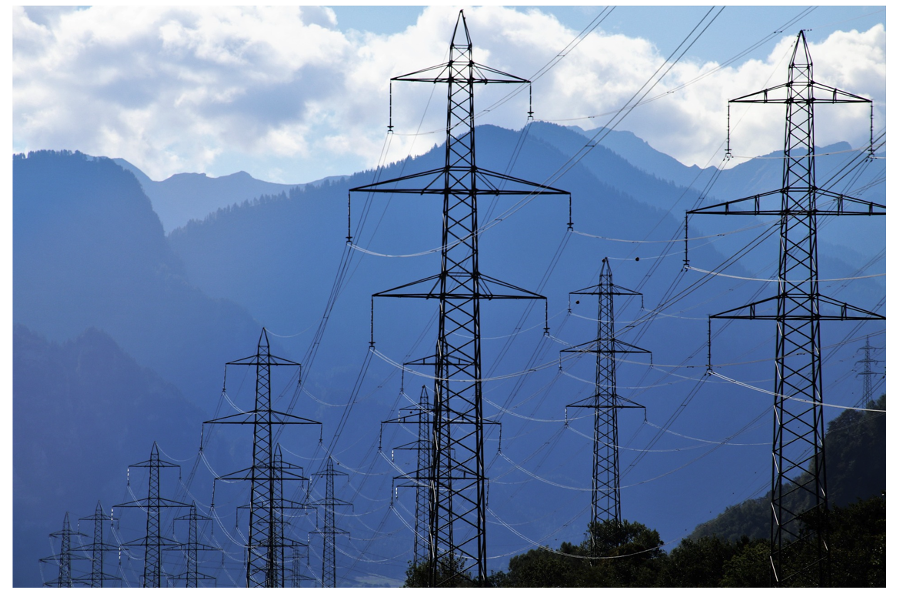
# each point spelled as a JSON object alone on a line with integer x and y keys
{"x": 292, "y": 94}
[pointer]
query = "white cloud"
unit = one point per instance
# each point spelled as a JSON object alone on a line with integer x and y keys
{"x": 179, "y": 89}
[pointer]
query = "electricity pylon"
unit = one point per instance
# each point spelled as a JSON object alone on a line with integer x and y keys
{"x": 190, "y": 549}
{"x": 329, "y": 530}
{"x": 457, "y": 481}
{"x": 418, "y": 415}
{"x": 296, "y": 576}
{"x": 867, "y": 374}
{"x": 605, "y": 495}
{"x": 798, "y": 310}
{"x": 97, "y": 547}
{"x": 267, "y": 472}
{"x": 286, "y": 471}
{"x": 64, "y": 557}
{"x": 153, "y": 542}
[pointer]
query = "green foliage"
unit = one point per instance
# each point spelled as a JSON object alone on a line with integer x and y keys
{"x": 855, "y": 468}
{"x": 613, "y": 554}
{"x": 698, "y": 563}
{"x": 452, "y": 574}
{"x": 749, "y": 567}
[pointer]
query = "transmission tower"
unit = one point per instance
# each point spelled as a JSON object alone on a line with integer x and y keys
{"x": 797, "y": 310}
{"x": 64, "y": 557}
{"x": 190, "y": 549}
{"x": 97, "y": 577}
{"x": 329, "y": 530}
{"x": 153, "y": 542}
{"x": 287, "y": 565}
{"x": 296, "y": 576}
{"x": 267, "y": 472}
{"x": 418, "y": 415}
{"x": 457, "y": 482}
{"x": 867, "y": 374}
{"x": 605, "y": 497}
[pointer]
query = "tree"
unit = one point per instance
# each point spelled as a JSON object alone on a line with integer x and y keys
{"x": 452, "y": 574}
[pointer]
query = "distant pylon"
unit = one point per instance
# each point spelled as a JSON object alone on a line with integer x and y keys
{"x": 265, "y": 535}
{"x": 457, "y": 481}
{"x": 64, "y": 557}
{"x": 285, "y": 471}
{"x": 329, "y": 530}
{"x": 867, "y": 374}
{"x": 605, "y": 496}
{"x": 153, "y": 542}
{"x": 190, "y": 549}
{"x": 297, "y": 576}
{"x": 798, "y": 310}
{"x": 420, "y": 478}
{"x": 97, "y": 577}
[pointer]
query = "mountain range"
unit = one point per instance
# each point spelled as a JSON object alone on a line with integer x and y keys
{"x": 114, "y": 308}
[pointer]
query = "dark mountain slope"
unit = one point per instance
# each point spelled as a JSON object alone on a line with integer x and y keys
{"x": 88, "y": 250}
{"x": 855, "y": 469}
{"x": 83, "y": 411}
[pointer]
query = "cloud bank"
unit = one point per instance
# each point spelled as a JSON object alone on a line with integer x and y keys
{"x": 285, "y": 91}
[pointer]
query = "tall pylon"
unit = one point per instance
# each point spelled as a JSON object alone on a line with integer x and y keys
{"x": 98, "y": 547}
{"x": 329, "y": 531}
{"x": 798, "y": 310}
{"x": 605, "y": 494}
{"x": 64, "y": 557}
{"x": 867, "y": 373}
{"x": 154, "y": 542}
{"x": 457, "y": 480}
{"x": 267, "y": 472}
{"x": 419, "y": 479}
{"x": 191, "y": 548}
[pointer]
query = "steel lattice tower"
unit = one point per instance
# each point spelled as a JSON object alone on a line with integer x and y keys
{"x": 329, "y": 530}
{"x": 286, "y": 471}
{"x": 605, "y": 402}
{"x": 867, "y": 374}
{"x": 265, "y": 535}
{"x": 296, "y": 576}
{"x": 797, "y": 310}
{"x": 97, "y": 547}
{"x": 418, "y": 415}
{"x": 190, "y": 549}
{"x": 457, "y": 482}
{"x": 65, "y": 556}
{"x": 153, "y": 542}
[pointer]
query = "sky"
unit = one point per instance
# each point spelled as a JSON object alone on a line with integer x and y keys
{"x": 292, "y": 94}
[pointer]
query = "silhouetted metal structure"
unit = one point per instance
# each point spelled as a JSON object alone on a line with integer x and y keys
{"x": 867, "y": 374}
{"x": 329, "y": 530}
{"x": 605, "y": 495}
{"x": 64, "y": 557}
{"x": 288, "y": 548}
{"x": 191, "y": 548}
{"x": 266, "y": 538}
{"x": 419, "y": 479}
{"x": 97, "y": 547}
{"x": 798, "y": 310}
{"x": 457, "y": 482}
{"x": 153, "y": 542}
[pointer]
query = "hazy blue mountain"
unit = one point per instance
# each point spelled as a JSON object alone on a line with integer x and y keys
{"x": 641, "y": 155}
{"x": 88, "y": 250}
{"x": 858, "y": 236}
{"x": 84, "y": 410}
{"x": 278, "y": 256}
{"x": 192, "y": 196}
